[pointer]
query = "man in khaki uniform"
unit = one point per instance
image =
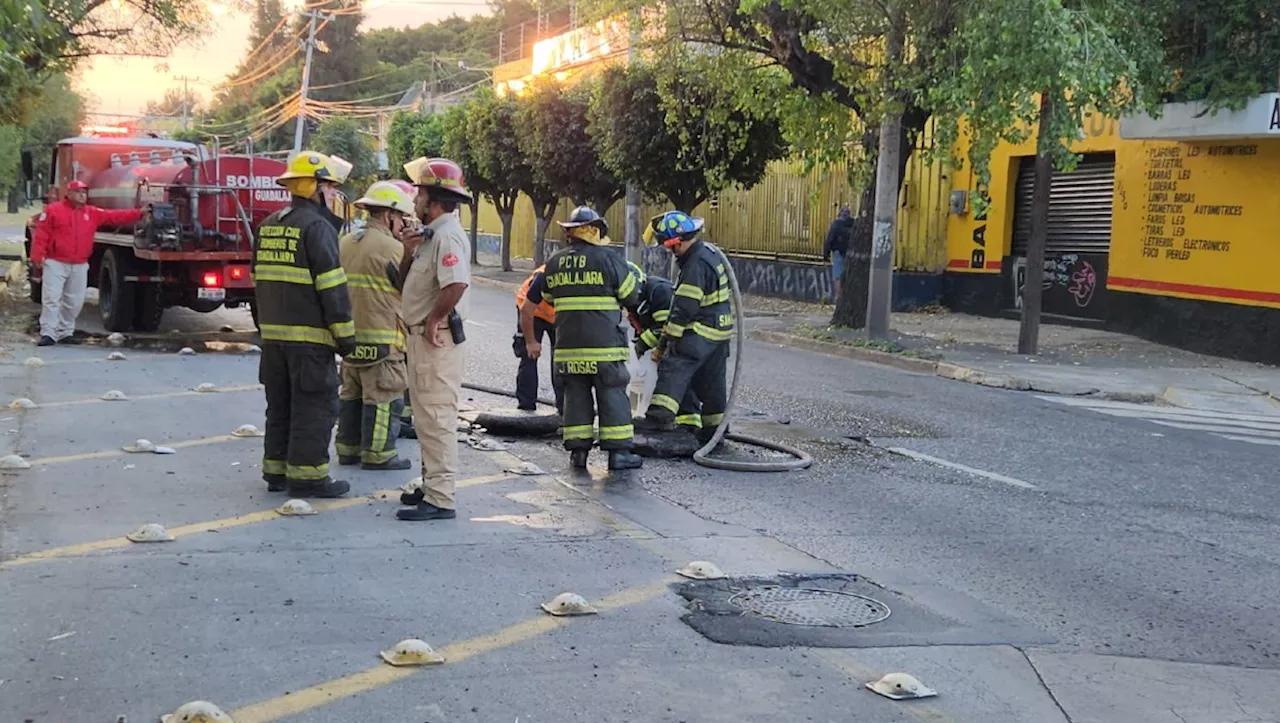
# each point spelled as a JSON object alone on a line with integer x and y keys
{"x": 373, "y": 376}
{"x": 436, "y": 269}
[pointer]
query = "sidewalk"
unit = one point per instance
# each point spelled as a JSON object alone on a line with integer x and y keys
{"x": 1072, "y": 361}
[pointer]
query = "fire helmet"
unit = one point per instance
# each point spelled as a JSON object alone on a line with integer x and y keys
{"x": 583, "y": 216}
{"x": 77, "y": 185}
{"x": 309, "y": 164}
{"x": 671, "y": 228}
{"x": 341, "y": 168}
{"x": 385, "y": 194}
{"x": 405, "y": 186}
{"x": 441, "y": 177}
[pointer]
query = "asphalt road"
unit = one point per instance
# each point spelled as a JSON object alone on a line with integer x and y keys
{"x": 1086, "y": 568}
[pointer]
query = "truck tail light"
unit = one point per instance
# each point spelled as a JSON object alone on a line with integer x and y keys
{"x": 237, "y": 273}
{"x": 212, "y": 279}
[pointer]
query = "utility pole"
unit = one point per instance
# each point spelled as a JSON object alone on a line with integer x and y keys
{"x": 306, "y": 82}
{"x": 186, "y": 94}
{"x": 880, "y": 286}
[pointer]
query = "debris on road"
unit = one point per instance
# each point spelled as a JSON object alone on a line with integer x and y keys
{"x": 296, "y": 507}
{"x": 150, "y": 532}
{"x": 484, "y": 444}
{"x": 568, "y": 603}
{"x": 247, "y": 430}
{"x": 206, "y": 387}
{"x": 166, "y": 450}
{"x": 253, "y": 349}
{"x": 187, "y": 351}
{"x": 116, "y": 356}
{"x": 63, "y": 636}
{"x": 197, "y": 711}
{"x": 115, "y": 339}
{"x": 411, "y": 652}
{"x": 115, "y": 395}
{"x": 22, "y": 403}
{"x": 901, "y": 686}
{"x": 701, "y": 570}
{"x": 13, "y": 461}
{"x": 142, "y": 445}
{"x": 525, "y": 468}
{"x": 34, "y": 362}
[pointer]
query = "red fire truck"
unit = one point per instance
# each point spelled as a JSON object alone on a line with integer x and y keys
{"x": 195, "y": 252}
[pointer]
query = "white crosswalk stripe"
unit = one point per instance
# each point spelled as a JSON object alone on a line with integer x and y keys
{"x": 1261, "y": 429}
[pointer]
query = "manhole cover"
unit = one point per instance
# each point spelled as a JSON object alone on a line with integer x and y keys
{"x": 810, "y": 606}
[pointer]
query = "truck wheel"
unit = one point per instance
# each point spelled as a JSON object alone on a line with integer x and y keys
{"x": 116, "y": 296}
{"x": 149, "y": 310}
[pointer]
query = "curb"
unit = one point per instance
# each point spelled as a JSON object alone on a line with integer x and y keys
{"x": 947, "y": 370}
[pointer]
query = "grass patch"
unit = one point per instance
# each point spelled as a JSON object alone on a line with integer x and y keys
{"x": 846, "y": 336}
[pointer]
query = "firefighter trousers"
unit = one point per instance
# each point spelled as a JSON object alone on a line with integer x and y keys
{"x": 435, "y": 385}
{"x": 527, "y": 373}
{"x": 697, "y": 365}
{"x": 372, "y": 403}
{"x": 301, "y": 383}
{"x": 609, "y": 384}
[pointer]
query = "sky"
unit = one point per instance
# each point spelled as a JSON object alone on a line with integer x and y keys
{"x": 124, "y": 85}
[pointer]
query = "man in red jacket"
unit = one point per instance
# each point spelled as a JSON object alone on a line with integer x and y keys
{"x": 61, "y": 248}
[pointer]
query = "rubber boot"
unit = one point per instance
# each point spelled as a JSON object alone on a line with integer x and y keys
{"x": 393, "y": 464}
{"x": 625, "y": 460}
{"x": 348, "y": 460}
{"x": 424, "y": 512}
{"x": 275, "y": 482}
{"x": 578, "y": 458}
{"x": 649, "y": 424}
{"x": 347, "y": 440}
{"x": 324, "y": 488}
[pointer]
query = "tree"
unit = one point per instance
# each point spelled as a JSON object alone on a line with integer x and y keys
{"x": 1078, "y": 56}
{"x": 678, "y": 136}
{"x": 267, "y": 17}
{"x": 412, "y": 135}
{"x": 492, "y": 147}
{"x": 1223, "y": 51}
{"x": 58, "y": 114}
{"x": 342, "y": 58}
{"x": 343, "y": 137}
{"x": 458, "y": 148}
{"x": 553, "y": 125}
{"x": 175, "y": 102}
{"x": 41, "y": 39}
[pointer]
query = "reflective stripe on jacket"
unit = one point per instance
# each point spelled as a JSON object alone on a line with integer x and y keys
{"x": 653, "y": 311}
{"x": 702, "y": 296}
{"x": 299, "y": 285}
{"x": 371, "y": 259}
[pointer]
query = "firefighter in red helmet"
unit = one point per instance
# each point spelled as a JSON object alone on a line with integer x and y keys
{"x": 436, "y": 268}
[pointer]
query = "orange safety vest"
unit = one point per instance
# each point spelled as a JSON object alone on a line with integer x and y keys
{"x": 545, "y": 311}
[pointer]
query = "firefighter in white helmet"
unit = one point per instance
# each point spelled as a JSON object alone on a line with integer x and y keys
{"x": 373, "y": 376}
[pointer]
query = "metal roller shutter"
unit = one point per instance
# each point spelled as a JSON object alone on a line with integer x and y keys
{"x": 1079, "y": 207}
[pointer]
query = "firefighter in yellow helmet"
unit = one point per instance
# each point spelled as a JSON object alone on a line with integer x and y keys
{"x": 373, "y": 376}
{"x": 304, "y": 314}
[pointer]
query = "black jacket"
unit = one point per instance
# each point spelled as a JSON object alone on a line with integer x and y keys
{"x": 702, "y": 296}
{"x": 299, "y": 285}
{"x": 652, "y": 313}
{"x": 589, "y": 286}
{"x": 838, "y": 237}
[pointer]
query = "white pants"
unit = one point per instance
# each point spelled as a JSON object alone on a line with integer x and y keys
{"x": 62, "y": 293}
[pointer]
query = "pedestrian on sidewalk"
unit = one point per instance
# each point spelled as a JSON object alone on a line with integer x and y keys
{"x": 544, "y": 323}
{"x": 436, "y": 268}
{"x": 60, "y": 249}
{"x": 304, "y": 315}
{"x": 374, "y": 379}
{"x": 835, "y": 248}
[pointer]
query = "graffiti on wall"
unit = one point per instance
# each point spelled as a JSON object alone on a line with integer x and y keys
{"x": 801, "y": 282}
{"x": 1073, "y": 284}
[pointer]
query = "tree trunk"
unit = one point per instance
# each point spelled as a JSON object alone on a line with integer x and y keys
{"x": 475, "y": 231}
{"x": 539, "y": 249}
{"x": 506, "y": 239}
{"x": 15, "y": 198}
{"x": 1033, "y": 286}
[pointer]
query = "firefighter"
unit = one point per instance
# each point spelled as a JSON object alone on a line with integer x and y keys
{"x": 698, "y": 330}
{"x": 436, "y": 268}
{"x": 406, "y": 415}
{"x": 304, "y": 315}
{"x": 648, "y": 319}
{"x": 589, "y": 284}
{"x": 373, "y": 377}
{"x": 544, "y": 322}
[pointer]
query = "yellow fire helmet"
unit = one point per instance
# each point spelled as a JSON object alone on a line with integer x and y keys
{"x": 385, "y": 194}
{"x": 341, "y": 168}
{"x": 308, "y": 164}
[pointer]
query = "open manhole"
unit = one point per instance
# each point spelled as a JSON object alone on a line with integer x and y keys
{"x": 811, "y": 606}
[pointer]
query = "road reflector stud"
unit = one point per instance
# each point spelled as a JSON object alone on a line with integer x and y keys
{"x": 115, "y": 339}
{"x": 142, "y": 445}
{"x": 701, "y": 570}
{"x": 186, "y": 351}
{"x": 13, "y": 461}
{"x": 901, "y": 686}
{"x": 197, "y": 711}
{"x": 296, "y": 507}
{"x": 22, "y": 403}
{"x": 151, "y": 532}
{"x": 116, "y": 356}
{"x": 568, "y": 603}
{"x": 411, "y": 652}
{"x": 206, "y": 387}
{"x": 166, "y": 450}
{"x": 115, "y": 395}
{"x": 247, "y": 430}
{"x": 34, "y": 362}
{"x": 525, "y": 468}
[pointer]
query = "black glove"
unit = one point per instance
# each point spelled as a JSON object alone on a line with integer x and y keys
{"x": 346, "y": 347}
{"x": 641, "y": 348}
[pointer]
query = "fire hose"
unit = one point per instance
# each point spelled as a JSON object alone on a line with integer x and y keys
{"x": 703, "y": 456}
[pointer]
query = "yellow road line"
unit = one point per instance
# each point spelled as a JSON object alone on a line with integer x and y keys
{"x": 845, "y": 662}
{"x": 164, "y": 395}
{"x": 380, "y": 676}
{"x": 109, "y": 453}
{"x": 222, "y": 524}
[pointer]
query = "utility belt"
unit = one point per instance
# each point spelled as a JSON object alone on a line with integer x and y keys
{"x": 453, "y": 323}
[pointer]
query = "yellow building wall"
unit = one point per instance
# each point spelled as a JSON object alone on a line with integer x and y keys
{"x": 1191, "y": 220}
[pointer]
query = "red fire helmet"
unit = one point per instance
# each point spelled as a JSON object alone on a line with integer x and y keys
{"x": 77, "y": 186}
{"x": 440, "y": 174}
